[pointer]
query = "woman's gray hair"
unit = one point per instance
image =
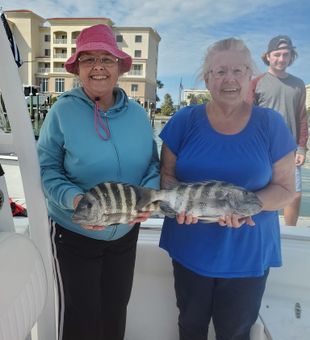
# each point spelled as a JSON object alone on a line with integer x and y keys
{"x": 225, "y": 45}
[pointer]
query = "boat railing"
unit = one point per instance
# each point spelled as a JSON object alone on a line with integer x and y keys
{"x": 22, "y": 141}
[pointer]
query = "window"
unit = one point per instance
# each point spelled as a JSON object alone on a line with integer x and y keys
{"x": 76, "y": 83}
{"x": 47, "y": 52}
{"x": 43, "y": 83}
{"x": 138, "y": 53}
{"x": 119, "y": 38}
{"x": 136, "y": 70}
{"x": 134, "y": 88}
{"x": 138, "y": 38}
{"x": 59, "y": 85}
{"x": 47, "y": 38}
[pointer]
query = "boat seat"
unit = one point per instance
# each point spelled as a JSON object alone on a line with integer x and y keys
{"x": 285, "y": 309}
{"x": 23, "y": 286}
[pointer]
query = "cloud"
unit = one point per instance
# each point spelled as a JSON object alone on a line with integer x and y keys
{"x": 187, "y": 28}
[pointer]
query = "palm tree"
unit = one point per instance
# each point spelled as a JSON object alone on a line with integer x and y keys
{"x": 160, "y": 85}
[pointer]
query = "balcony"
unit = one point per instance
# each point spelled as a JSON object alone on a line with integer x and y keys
{"x": 135, "y": 73}
{"x": 59, "y": 69}
{"x": 60, "y": 41}
{"x": 60, "y": 55}
{"x": 44, "y": 70}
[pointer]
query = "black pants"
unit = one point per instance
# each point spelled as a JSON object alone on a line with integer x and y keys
{"x": 94, "y": 280}
{"x": 233, "y": 304}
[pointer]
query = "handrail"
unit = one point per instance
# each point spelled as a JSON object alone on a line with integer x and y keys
{"x": 25, "y": 148}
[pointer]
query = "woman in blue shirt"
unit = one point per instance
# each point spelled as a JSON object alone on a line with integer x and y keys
{"x": 220, "y": 269}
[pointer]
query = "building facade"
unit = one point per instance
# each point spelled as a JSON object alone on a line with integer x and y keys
{"x": 46, "y": 44}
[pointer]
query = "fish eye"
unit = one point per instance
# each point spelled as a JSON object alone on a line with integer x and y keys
{"x": 89, "y": 205}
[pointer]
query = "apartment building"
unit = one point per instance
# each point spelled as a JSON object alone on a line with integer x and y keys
{"x": 45, "y": 45}
{"x": 141, "y": 43}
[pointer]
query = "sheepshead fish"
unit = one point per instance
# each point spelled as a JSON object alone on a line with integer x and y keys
{"x": 207, "y": 200}
{"x": 112, "y": 203}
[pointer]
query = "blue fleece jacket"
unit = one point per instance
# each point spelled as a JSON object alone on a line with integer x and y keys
{"x": 73, "y": 158}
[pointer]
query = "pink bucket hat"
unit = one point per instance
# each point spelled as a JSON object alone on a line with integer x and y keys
{"x": 98, "y": 38}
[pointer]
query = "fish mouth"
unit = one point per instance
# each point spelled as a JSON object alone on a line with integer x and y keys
{"x": 80, "y": 219}
{"x": 77, "y": 220}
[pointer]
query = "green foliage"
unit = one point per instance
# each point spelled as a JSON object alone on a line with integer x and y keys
{"x": 167, "y": 108}
{"x": 53, "y": 100}
{"x": 192, "y": 99}
{"x": 160, "y": 85}
{"x": 199, "y": 99}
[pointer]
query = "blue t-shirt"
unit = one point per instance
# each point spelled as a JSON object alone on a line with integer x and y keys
{"x": 245, "y": 159}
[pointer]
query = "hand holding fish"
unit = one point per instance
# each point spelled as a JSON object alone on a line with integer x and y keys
{"x": 235, "y": 221}
{"x": 141, "y": 217}
{"x": 186, "y": 219}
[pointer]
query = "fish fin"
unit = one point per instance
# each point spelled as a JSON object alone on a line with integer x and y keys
{"x": 167, "y": 210}
{"x": 145, "y": 196}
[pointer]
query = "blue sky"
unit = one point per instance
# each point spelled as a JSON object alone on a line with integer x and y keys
{"x": 188, "y": 27}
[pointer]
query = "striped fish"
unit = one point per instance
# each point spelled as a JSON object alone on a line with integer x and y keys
{"x": 207, "y": 200}
{"x": 112, "y": 203}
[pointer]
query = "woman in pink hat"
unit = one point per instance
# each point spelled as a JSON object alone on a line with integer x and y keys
{"x": 94, "y": 134}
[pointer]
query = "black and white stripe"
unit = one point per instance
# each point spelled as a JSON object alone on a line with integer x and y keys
{"x": 119, "y": 198}
{"x": 59, "y": 283}
{"x": 12, "y": 41}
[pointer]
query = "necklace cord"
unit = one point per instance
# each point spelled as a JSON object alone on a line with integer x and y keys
{"x": 101, "y": 123}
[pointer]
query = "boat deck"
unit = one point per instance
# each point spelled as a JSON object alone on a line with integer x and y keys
{"x": 285, "y": 310}
{"x": 152, "y": 312}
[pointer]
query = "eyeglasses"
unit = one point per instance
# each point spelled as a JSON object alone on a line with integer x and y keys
{"x": 237, "y": 72}
{"x": 89, "y": 61}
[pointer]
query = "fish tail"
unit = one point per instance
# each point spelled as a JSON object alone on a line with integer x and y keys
{"x": 146, "y": 197}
